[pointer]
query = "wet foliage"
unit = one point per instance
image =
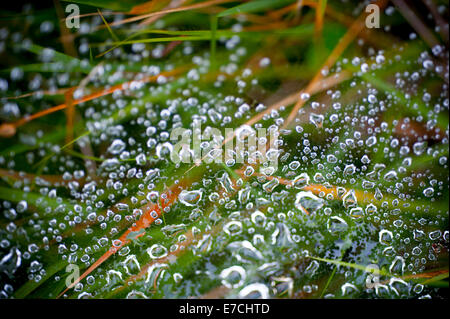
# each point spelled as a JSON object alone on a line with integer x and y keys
{"x": 356, "y": 205}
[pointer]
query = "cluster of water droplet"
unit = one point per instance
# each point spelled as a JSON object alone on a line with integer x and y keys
{"x": 359, "y": 180}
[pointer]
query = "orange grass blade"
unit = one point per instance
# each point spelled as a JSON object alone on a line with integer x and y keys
{"x": 144, "y": 222}
{"x": 46, "y": 92}
{"x": 148, "y": 6}
{"x": 320, "y": 10}
{"x": 295, "y": 6}
{"x": 179, "y": 9}
{"x": 426, "y": 35}
{"x": 70, "y": 114}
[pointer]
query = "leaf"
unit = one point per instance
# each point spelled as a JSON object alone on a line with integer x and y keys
{"x": 108, "y": 4}
{"x": 254, "y": 6}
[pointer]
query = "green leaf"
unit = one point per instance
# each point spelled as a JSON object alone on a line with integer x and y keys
{"x": 254, "y": 6}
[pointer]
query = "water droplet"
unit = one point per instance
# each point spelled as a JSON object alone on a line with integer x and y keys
{"x": 336, "y": 225}
{"x": 254, "y": 291}
{"x": 349, "y": 199}
{"x": 190, "y": 198}
{"x": 428, "y": 192}
{"x": 233, "y": 277}
{"x": 308, "y": 203}
{"x": 316, "y": 119}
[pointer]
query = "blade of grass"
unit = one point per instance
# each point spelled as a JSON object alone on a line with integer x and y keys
{"x": 163, "y": 5}
{"x": 443, "y": 25}
{"x": 318, "y": 87}
{"x": 66, "y": 36}
{"x": 254, "y": 6}
{"x": 70, "y": 115}
{"x": 180, "y": 9}
{"x": 89, "y": 97}
{"x": 32, "y": 285}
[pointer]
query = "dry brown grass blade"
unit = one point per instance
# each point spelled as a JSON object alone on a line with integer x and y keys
{"x": 443, "y": 25}
{"x": 181, "y": 249}
{"x": 124, "y": 224}
{"x": 220, "y": 291}
{"x": 314, "y": 88}
{"x": 152, "y": 16}
{"x": 318, "y": 87}
{"x": 319, "y": 18}
{"x": 53, "y": 179}
{"x": 376, "y": 39}
{"x": 253, "y": 18}
{"x": 343, "y": 43}
{"x": 7, "y": 130}
{"x": 216, "y": 293}
{"x": 179, "y": 9}
{"x": 277, "y": 25}
{"x": 316, "y": 189}
{"x": 148, "y": 6}
{"x": 69, "y": 49}
{"x": 86, "y": 148}
{"x": 147, "y": 218}
{"x": 94, "y": 266}
{"x": 170, "y": 5}
{"x": 430, "y": 274}
{"x": 183, "y": 245}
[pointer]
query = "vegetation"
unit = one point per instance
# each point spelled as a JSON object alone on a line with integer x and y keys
{"x": 348, "y": 200}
